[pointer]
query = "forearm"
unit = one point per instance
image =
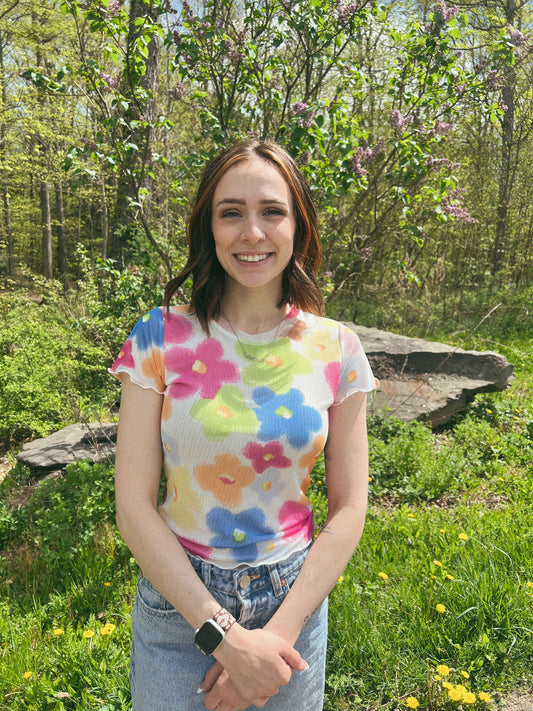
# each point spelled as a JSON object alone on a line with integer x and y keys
{"x": 325, "y": 563}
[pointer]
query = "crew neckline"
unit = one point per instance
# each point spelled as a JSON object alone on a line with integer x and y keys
{"x": 275, "y": 332}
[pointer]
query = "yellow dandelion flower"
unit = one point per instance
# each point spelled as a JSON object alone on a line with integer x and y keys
{"x": 440, "y": 607}
{"x": 437, "y": 563}
{"x": 433, "y": 577}
{"x": 107, "y": 584}
{"x": 488, "y": 411}
{"x": 88, "y": 634}
{"x": 28, "y": 675}
{"x": 464, "y": 674}
{"x": 319, "y": 481}
{"x": 449, "y": 577}
{"x": 442, "y": 530}
{"x": 469, "y": 698}
{"x": 447, "y": 685}
{"x": 454, "y": 694}
{"x": 410, "y": 515}
{"x": 437, "y": 677}
{"x": 443, "y": 669}
{"x": 412, "y": 702}
{"x": 461, "y": 689}
{"x": 463, "y": 537}
{"x": 58, "y": 632}
{"x": 529, "y": 584}
{"x": 484, "y": 697}
{"x": 369, "y": 478}
{"x": 383, "y": 575}
{"x": 340, "y": 579}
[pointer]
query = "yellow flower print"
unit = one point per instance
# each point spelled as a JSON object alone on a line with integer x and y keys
{"x": 183, "y": 502}
{"x": 321, "y": 346}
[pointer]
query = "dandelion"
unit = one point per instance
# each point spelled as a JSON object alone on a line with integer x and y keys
{"x": 107, "y": 584}
{"x": 437, "y": 563}
{"x": 28, "y": 675}
{"x": 469, "y": 698}
{"x": 489, "y": 412}
{"x": 529, "y": 584}
{"x": 442, "y": 530}
{"x": 454, "y": 694}
{"x": 340, "y": 580}
{"x": 437, "y": 677}
{"x": 443, "y": 669}
{"x": 412, "y": 702}
{"x": 440, "y": 607}
{"x": 88, "y": 634}
{"x": 383, "y": 575}
{"x": 447, "y": 685}
{"x": 58, "y": 632}
{"x": 107, "y": 628}
{"x": 461, "y": 689}
{"x": 410, "y": 515}
{"x": 449, "y": 577}
{"x": 464, "y": 674}
{"x": 484, "y": 697}
{"x": 463, "y": 537}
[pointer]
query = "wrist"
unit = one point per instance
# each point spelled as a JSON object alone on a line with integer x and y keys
{"x": 209, "y": 636}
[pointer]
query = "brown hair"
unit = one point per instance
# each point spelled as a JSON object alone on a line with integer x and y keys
{"x": 299, "y": 286}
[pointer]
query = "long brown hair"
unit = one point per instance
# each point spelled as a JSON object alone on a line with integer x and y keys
{"x": 299, "y": 284}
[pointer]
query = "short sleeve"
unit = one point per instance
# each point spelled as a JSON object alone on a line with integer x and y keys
{"x": 141, "y": 356}
{"x": 355, "y": 371}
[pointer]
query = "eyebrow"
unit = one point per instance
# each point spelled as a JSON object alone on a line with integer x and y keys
{"x": 237, "y": 201}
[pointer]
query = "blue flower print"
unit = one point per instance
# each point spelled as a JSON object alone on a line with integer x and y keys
{"x": 148, "y": 331}
{"x": 285, "y": 415}
{"x": 239, "y": 532}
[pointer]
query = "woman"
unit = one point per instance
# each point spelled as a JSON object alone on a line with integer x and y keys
{"x": 236, "y": 395}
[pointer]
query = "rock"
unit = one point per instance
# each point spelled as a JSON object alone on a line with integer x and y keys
{"x": 422, "y": 380}
{"x": 94, "y": 441}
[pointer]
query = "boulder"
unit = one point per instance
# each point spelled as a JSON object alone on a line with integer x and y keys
{"x": 428, "y": 381}
{"x": 94, "y": 441}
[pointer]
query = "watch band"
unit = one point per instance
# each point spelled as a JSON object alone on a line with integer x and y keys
{"x": 224, "y": 618}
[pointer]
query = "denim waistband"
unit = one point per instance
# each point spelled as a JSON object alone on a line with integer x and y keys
{"x": 246, "y": 580}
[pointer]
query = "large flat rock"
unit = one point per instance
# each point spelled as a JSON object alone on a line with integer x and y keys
{"x": 428, "y": 381}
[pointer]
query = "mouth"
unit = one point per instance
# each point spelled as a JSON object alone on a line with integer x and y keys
{"x": 252, "y": 258}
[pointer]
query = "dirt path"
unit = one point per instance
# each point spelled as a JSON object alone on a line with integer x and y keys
{"x": 518, "y": 701}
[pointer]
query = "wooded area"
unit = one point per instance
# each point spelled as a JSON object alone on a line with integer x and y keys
{"x": 412, "y": 122}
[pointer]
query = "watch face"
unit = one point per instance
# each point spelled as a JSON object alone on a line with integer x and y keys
{"x": 208, "y": 637}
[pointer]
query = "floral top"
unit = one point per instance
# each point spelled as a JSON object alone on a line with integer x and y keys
{"x": 244, "y": 419}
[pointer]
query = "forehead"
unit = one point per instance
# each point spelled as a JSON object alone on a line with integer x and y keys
{"x": 253, "y": 176}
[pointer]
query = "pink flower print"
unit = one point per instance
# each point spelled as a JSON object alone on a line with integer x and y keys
{"x": 202, "y": 371}
{"x": 177, "y": 328}
{"x": 269, "y": 455}
{"x": 332, "y": 372}
{"x": 125, "y": 357}
{"x": 196, "y": 549}
{"x": 296, "y": 521}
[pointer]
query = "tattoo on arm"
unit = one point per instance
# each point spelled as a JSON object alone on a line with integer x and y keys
{"x": 327, "y": 529}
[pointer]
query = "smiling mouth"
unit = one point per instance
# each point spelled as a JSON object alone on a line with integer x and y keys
{"x": 252, "y": 257}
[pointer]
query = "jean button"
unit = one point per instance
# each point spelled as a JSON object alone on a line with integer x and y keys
{"x": 245, "y": 581}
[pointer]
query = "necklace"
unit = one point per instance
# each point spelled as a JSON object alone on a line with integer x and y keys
{"x": 251, "y": 356}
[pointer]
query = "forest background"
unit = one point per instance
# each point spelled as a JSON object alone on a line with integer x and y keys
{"x": 413, "y": 124}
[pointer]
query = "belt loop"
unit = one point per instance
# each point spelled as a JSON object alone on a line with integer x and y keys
{"x": 275, "y": 580}
{"x": 206, "y": 573}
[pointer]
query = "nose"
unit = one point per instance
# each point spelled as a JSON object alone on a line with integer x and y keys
{"x": 252, "y": 231}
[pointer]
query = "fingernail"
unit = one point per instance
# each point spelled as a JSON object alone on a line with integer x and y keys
{"x": 199, "y": 690}
{"x": 306, "y": 667}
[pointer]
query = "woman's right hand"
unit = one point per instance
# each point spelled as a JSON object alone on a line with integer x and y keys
{"x": 257, "y": 662}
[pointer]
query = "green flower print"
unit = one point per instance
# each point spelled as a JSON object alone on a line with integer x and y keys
{"x": 278, "y": 368}
{"x": 225, "y": 414}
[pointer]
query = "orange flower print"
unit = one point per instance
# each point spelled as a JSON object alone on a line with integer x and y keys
{"x": 308, "y": 461}
{"x": 153, "y": 368}
{"x": 296, "y": 331}
{"x": 225, "y": 478}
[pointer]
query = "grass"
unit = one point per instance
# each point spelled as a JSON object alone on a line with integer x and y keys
{"x": 442, "y": 579}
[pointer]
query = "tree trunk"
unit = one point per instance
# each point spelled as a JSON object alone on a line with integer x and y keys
{"x": 47, "y": 230}
{"x": 61, "y": 241}
{"x": 104, "y": 218}
{"x": 9, "y": 232}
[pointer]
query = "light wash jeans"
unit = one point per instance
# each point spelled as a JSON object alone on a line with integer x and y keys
{"x": 167, "y": 669}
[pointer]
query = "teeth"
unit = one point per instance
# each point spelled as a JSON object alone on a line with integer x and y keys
{"x": 252, "y": 257}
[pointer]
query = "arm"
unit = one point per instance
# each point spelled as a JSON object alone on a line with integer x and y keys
{"x": 152, "y": 543}
{"x": 346, "y": 459}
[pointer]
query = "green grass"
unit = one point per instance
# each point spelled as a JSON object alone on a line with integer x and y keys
{"x": 454, "y": 503}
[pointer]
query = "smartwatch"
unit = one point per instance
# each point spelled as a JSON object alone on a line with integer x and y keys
{"x": 210, "y": 635}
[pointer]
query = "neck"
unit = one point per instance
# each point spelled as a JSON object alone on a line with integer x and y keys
{"x": 252, "y": 315}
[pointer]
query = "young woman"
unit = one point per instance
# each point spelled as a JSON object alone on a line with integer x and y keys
{"x": 236, "y": 395}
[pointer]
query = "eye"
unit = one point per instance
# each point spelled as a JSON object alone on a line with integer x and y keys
{"x": 274, "y": 211}
{"x": 230, "y": 213}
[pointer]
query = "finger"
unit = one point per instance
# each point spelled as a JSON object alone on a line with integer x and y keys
{"x": 293, "y": 658}
{"x": 211, "y": 676}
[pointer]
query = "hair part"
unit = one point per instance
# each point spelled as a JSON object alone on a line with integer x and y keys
{"x": 299, "y": 285}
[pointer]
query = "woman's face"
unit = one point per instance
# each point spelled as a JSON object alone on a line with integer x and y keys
{"x": 253, "y": 225}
